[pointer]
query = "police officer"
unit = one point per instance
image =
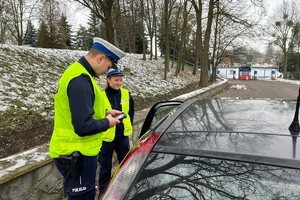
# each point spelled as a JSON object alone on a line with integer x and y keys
{"x": 80, "y": 118}
{"x": 115, "y": 138}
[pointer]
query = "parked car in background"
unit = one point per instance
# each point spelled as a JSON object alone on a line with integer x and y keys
{"x": 213, "y": 149}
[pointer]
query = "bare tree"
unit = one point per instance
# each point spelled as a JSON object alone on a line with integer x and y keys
{"x": 296, "y": 33}
{"x": 123, "y": 24}
{"x": 150, "y": 21}
{"x": 142, "y": 31}
{"x": 203, "y": 36}
{"x": 175, "y": 23}
{"x": 104, "y": 11}
{"x": 281, "y": 23}
{"x": 239, "y": 13}
{"x": 155, "y": 11}
{"x": 20, "y": 13}
{"x": 233, "y": 24}
{"x": 158, "y": 13}
{"x": 4, "y": 17}
{"x": 185, "y": 29}
{"x": 129, "y": 26}
{"x": 215, "y": 42}
{"x": 167, "y": 11}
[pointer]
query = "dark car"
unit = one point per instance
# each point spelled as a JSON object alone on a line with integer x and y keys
{"x": 213, "y": 149}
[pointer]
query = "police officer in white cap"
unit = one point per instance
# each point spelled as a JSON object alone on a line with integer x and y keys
{"x": 115, "y": 139}
{"x": 80, "y": 118}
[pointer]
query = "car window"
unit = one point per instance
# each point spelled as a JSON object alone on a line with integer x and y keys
{"x": 191, "y": 177}
{"x": 162, "y": 112}
{"x": 158, "y": 112}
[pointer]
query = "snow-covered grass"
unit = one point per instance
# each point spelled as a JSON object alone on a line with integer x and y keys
{"x": 29, "y": 76}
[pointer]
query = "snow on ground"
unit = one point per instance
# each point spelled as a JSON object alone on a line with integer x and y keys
{"x": 27, "y": 79}
{"x": 29, "y": 76}
{"x": 16, "y": 161}
{"x": 239, "y": 87}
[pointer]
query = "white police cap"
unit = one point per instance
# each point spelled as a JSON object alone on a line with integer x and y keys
{"x": 114, "y": 53}
{"x": 114, "y": 72}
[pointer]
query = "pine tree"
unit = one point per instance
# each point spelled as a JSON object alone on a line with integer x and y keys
{"x": 31, "y": 36}
{"x": 94, "y": 27}
{"x": 60, "y": 38}
{"x": 43, "y": 36}
{"x": 60, "y": 33}
{"x": 67, "y": 31}
{"x": 82, "y": 39}
{"x": 50, "y": 15}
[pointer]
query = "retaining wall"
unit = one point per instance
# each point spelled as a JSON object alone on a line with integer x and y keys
{"x": 32, "y": 174}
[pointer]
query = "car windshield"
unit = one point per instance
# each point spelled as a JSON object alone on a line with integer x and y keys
{"x": 218, "y": 125}
{"x": 224, "y": 149}
{"x": 244, "y": 115}
{"x": 169, "y": 176}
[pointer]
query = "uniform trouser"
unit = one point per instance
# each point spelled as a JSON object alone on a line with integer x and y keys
{"x": 121, "y": 145}
{"x": 82, "y": 187}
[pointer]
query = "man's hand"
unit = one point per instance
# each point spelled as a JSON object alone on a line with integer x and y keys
{"x": 112, "y": 121}
{"x": 113, "y": 112}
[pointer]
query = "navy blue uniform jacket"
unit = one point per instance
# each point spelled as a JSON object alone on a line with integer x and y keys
{"x": 81, "y": 98}
{"x": 114, "y": 97}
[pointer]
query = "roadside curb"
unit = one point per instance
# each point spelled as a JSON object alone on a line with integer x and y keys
{"x": 32, "y": 174}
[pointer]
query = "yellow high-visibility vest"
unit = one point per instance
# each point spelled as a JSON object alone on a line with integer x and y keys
{"x": 109, "y": 135}
{"x": 64, "y": 140}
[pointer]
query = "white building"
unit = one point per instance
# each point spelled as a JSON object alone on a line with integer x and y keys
{"x": 257, "y": 72}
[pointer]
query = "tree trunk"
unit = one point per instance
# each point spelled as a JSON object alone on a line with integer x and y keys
{"x": 109, "y": 30}
{"x": 214, "y": 67}
{"x": 166, "y": 38}
{"x": 204, "y": 41}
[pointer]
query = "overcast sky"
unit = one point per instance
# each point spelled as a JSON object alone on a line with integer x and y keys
{"x": 78, "y": 15}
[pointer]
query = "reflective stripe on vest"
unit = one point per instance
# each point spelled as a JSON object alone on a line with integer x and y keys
{"x": 64, "y": 140}
{"x": 109, "y": 135}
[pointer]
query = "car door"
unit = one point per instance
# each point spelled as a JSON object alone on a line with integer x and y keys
{"x": 157, "y": 112}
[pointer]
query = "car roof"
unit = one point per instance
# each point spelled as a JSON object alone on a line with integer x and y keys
{"x": 197, "y": 133}
{"x": 252, "y": 130}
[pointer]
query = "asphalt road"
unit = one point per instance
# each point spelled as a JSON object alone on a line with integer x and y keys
{"x": 261, "y": 89}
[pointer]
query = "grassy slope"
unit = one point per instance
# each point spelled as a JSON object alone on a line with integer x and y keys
{"x": 28, "y": 79}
